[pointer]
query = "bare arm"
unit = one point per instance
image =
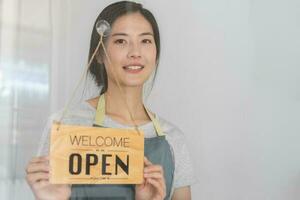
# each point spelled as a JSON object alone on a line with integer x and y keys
{"x": 182, "y": 193}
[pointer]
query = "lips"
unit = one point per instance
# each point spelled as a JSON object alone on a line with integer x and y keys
{"x": 134, "y": 68}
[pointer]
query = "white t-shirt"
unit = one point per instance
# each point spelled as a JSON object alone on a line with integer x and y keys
{"x": 84, "y": 114}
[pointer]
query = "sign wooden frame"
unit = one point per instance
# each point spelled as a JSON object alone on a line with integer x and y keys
{"x": 93, "y": 155}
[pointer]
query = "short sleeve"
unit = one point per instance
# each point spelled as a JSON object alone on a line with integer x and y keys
{"x": 184, "y": 171}
{"x": 78, "y": 115}
{"x": 45, "y": 139}
{"x": 44, "y": 144}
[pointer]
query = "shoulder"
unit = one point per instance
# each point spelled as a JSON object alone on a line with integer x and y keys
{"x": 170, "y": 129}
{"x": 174, "y": 135}
{"x": 81, "y": 113}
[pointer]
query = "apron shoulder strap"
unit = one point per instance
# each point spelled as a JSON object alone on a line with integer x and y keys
{"x": 156, "y": 123}
{"x": 100, "y": 114}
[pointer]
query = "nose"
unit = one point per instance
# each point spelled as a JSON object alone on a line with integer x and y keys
{"x": 134, "y": 50}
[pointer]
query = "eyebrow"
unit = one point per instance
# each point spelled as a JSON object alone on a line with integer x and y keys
{"x": 125, "y": 34}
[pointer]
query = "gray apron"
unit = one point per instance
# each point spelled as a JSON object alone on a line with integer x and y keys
{"x": 157, "y": 150}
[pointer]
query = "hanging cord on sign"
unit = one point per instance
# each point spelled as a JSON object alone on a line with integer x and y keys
{"x": 103, "y": 28}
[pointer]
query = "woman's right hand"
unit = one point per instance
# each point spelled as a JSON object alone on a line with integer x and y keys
{"x": 38, "y": 179}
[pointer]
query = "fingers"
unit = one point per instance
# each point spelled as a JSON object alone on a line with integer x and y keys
{"x": 38, "y": 170}
{"x": 153, "y": 168}
{"x": 37, "y": 162}
{"x": 37, "y": 177}
{"x": 41, "y": 184}
{"x": 39, "y": 159}
{"x": 157, "y": 177}
{"x": 146, "y": 161}
{"x": 154, "y": 171}
{"x": 159, "y": 187}
{"x": 154, "y": 175}
{"x": 37, "y": 167}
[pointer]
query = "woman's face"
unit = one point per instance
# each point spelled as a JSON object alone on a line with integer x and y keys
{"x": 132, "y": 51}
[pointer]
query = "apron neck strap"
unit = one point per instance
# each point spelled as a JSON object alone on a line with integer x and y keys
{"x": 100, "y": 114}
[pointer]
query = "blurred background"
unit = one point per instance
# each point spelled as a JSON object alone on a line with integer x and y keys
{"x": 229, "y": 69}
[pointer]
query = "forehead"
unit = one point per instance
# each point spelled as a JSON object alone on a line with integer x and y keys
{"x": 132, "y": 23}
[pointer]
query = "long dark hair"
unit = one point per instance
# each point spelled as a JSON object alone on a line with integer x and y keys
{"x": 111, "y": 13}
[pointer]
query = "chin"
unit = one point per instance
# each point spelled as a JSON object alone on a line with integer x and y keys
{"x": 133, "y": 83}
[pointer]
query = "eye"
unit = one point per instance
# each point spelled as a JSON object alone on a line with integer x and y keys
{"x": 147, "y": 41}
{"x": 120, "y": 41}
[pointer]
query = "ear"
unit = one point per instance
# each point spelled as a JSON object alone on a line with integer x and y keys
{"x": 99, "y": 57}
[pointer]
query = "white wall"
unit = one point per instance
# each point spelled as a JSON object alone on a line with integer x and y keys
{"x": 228, "y": 77}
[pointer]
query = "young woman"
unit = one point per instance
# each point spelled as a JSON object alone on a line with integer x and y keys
{"x": 133, "y": 47}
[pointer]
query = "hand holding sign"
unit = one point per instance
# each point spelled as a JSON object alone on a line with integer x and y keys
{"x": 153, "y": 186}
{"x": 38, "y": 178}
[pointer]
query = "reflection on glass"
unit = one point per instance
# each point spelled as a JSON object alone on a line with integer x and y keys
{"x": 24, "y": 89}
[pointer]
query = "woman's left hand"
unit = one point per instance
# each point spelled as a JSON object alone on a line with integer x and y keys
{"x": 153, "y": 186}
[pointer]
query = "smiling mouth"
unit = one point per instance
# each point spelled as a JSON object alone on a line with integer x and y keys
{"x": 133, "y": 68}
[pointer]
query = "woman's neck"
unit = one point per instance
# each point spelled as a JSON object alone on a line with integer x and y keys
{"x": 125, "y": 102}
{"x": 120, "y": 104}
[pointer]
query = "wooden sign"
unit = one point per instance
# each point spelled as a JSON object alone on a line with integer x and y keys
{"x": 93, "y": 155}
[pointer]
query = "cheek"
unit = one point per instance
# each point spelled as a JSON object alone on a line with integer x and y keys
{"x": 153, "y": 59}
{"x": 151, "y": 55}
{"x": 115, "y": 54}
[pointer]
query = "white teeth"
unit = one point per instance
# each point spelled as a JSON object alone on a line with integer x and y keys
{"x": 133, "y": 67}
